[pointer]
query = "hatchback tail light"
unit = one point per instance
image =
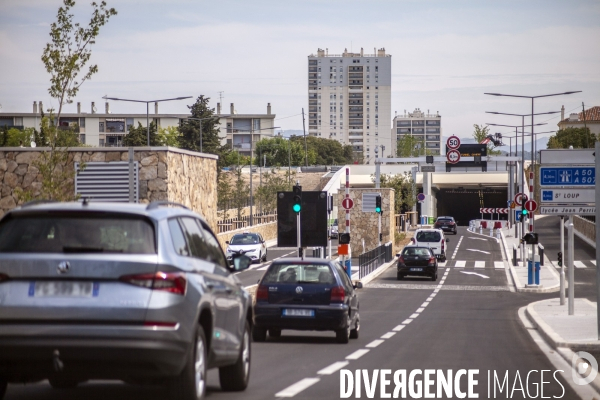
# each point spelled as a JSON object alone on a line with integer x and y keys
{"x": 401, "y": 260}
{"x": 262, "y": 293}
{"x": 3, "y": 277}
{"x": 338, "y": 294}
{"x": 172, "y": 282}
{"x": 431, "y": 260}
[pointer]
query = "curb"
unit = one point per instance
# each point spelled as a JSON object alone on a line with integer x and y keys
{"x": 565, "y": 348}
{"x": 380, "y": 270}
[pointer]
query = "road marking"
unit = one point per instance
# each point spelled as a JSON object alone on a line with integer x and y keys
{"x": 297, "y": 387}
{"x": 407, "y": 321}
{"x": 579, "y": 264}
{"x": 419, "y": 310}
{"x": 436, "y": 290}
{"x": 426, "y": 303}
{"x": 404, "y": 286}
{"x": 333, "y": 368}
{"x": 457, "y": 246}
{"x": 374, "y": 343}
{"x": 442, "y": 264}
{"x": 398, "y": 328}
{"x": 475, "y": 273}
{"x": 357, "y": 354}
{"x": 460, "y": 264}
{"x": 480, "y": 251}
{"x": 498, "y": 264}
{"x": 471, "y": 237}
{"x": 414, "y": 316}
{"x": 593, "y": 262}
{"x": 389, "y": 334}
{"x": 479, "y": 264}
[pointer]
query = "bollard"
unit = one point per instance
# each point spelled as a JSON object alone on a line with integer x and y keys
{"x": 497, "y": 233}
{"x": 480, "y": 229}
{"x": 491, "y": 231}
{"x": 529, "y": 272}
{"x": 537, "y": 271}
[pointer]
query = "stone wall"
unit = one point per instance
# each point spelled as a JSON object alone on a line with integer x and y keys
{"x": 364, "y": 225}
{"x": 268, "y": 231}
{"x": 165, "y": 173}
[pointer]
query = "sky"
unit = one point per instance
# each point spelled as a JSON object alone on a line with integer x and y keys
{"x": 445, "y": 55}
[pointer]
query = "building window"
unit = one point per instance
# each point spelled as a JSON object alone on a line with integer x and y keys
{"x": 82, "y": 139}
{"x": 82, "y": 122}
{"x": 101, "y": 126}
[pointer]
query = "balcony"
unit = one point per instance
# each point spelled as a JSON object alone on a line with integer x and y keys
{"x": 312, "y": 69}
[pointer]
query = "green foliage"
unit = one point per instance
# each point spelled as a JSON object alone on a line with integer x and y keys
{"x": 224, "y": 195}
{"x": 14, "y": 137}
{"x": 480, "y": 133}
{"x": 280, "y": 152}
{"x": 69, "y": 51}
{"x": 139, "y": 136}
{"x": 404, "y": 188}
{"x": 399, "y": 237}
{"x": 272, "y": 182}
{"x": 168, "y": 136}
{"x": 234, "y": 158}
{"x": 411, "y": 146}
{"x": 323, "y": 151}
{"x": 239, "y": 195}
{"x": 579, "y": 138}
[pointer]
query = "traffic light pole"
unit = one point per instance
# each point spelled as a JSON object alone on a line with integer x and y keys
{"x": 379, "y": 229}
{"x": 562, "y": 266}
{"x": 298, "y": 241}
{"x": 570, "y": 258}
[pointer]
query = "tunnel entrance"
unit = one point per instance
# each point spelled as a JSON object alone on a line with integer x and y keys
{"x": 464, "y": 204}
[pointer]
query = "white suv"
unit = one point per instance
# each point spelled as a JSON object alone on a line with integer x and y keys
{"x": 432, "y": 238}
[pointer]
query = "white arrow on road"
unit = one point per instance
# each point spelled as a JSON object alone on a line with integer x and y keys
{"x": 475, "y": 273}
{"x": 471, "y": 237}
{"x": 481, "y": 251}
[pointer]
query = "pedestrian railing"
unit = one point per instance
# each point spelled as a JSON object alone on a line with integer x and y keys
{"x": 373, "y": 259}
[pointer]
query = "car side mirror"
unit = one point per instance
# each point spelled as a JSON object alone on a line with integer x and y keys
{"x": 357, "y": 285}
{"x": 241, "y": 262}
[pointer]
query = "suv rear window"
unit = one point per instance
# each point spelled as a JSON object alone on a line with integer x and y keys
{"x": 304, "y": 273}
{"x": 79, "y": 232}
{"x": 428, "y": 237}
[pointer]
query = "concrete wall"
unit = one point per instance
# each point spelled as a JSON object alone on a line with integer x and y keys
{"x": 165, "y": 173}
{"x": 363, "y": 225}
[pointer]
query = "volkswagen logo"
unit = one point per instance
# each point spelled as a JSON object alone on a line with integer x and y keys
{"x": 63, "y": 267}
{"x": 299, "y": 289}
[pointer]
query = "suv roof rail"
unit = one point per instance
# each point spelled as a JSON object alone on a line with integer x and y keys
{"x": 38, "y": 201}
{"x": 160, "y": 203}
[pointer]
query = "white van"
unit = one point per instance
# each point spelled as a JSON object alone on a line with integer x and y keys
{"x": 432, "y": 238}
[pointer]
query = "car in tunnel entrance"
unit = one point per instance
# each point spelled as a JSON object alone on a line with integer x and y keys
{"x": 446, "y": 224}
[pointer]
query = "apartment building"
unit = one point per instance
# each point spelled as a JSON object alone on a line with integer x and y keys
{"x": 242, "y": 131}
{"x": 424, "y": 126}
{"x": 349, "y": 100}
{"x": 590, "y": 120}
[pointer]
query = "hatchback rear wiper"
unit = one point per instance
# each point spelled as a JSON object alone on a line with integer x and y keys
{"x": 84, "y": 249}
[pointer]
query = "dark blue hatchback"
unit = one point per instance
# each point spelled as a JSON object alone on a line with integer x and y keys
{"x": 306, "y": 294}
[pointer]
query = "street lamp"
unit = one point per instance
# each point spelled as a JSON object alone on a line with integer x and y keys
{"x": 204, "y": 119}
{"x": 147, "y": 108}
{"x": 532, "y": 125}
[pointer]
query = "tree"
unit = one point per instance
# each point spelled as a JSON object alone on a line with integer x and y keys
{"x": 224, "y": 196}
{"x": 70, "y": 50}
{"x": 139, "y": 136}
{"x": 579, "y": 138}
{"x": 239, "y": 198}
{"x": 235, "y": 158}
{"x": 411, "y": 146}
{"x": 480, "y": 133}
{"x": 281, "y": 152}
{"x": 404, "y": 190}
{"x": 273, "y": 182}
{"x": 168, "y": 136}
{"x": 325, "y": 151}
{"x": 190, "y": 131}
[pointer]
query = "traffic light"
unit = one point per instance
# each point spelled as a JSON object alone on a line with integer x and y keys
{"x": 378, "y": 204}
{"x": 531, "y": 238}
{"x": 344, "y": 238}
{"x": 560, "y": 258}
{"x": 297, "y": 205}
{"x": 524, "y": 214}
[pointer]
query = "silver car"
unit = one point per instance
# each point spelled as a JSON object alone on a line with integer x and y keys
{"x": 251, "y": 244}
{"x": 139, "y": 293}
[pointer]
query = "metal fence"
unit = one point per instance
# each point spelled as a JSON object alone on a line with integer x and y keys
{"x": 231, "y": 224}
{"x": 373, "y": 259}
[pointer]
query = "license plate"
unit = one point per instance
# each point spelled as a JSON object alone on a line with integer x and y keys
{"x": 63, "y": 289}
{"x": 445, "y": 226}
{"x": 417, "y": 269}
{"x": 298, "y": 312}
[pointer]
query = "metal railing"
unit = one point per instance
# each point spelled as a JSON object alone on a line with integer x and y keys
{"x": 373, "y": 259}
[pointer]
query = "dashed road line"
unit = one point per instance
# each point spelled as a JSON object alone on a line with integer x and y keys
{"x": 407, "y": 321}
{"x": 398, "y": 328}
{"x": 357, "y": 354}
{"x": 457, "y": 246}
{"x": 579, "y": 264}
{"x": 374, "y": 343}
{"x": 479, "y": 264}
{"x": 297, "y": 387}
{"x": 420, "y": 309}
{"x": 388, "y": 335}
{"x": 333, "y": 368}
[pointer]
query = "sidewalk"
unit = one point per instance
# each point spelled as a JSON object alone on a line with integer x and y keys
{"x": 549, "y": 277}
{"x": 566, "y": 334}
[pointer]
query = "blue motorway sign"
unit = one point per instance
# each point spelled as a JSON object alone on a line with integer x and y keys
{"x": 568, "y": 176}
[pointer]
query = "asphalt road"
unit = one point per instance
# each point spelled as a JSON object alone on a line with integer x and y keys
{"x": 463, "y": 321}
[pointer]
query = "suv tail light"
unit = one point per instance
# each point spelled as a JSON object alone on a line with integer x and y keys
{"x": 3, "y": 277}
{"x": 172, "y": 282}
{"x": 262, "y": 293}
{"x": 338, "y": 294}
{"x": 443, "y": 245}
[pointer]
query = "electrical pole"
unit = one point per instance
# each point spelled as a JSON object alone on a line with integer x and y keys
{"x": 305, "y": 145}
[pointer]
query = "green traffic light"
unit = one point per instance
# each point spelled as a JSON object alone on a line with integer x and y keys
{"x": 524, "y": 212}
{"x": 377, "y": 209}
{"x": 296, "y": 208}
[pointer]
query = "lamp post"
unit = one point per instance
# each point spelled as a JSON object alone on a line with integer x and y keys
{"x": 205, "y": 119}
{"x": 147, "y": 108}
{"x": 532, "y": 124}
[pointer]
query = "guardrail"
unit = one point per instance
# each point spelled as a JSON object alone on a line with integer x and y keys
{"x": 373, "y": 259}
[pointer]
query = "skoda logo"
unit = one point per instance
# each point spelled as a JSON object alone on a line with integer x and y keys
{"x": 299, "y": 289}
{"x": 64, "y": 267}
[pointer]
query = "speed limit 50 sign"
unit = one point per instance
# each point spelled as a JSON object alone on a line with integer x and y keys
{"x": 453, "y": 142}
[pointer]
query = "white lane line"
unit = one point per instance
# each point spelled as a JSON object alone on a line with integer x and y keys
{"x": 499, "y": 264}
{"x": 425, "y": 304}
{"x": 389, "y": 334}
{"x": 357, "y": 354}
{"x": 430, "y": 298}
{"x": 398, "y": 328}
{"x": 420, "y": 310}
{"x": 457, "y": 246}
{"x": 297, "y": 387}
{"x": 579, "y": 264}
{"x": 479, "y": 251}
{"x": 415, "y": 315}
{"x": 479, "y": 264}
{"x": 374, "y": 343}
{"x": 436, "y": 290}
{"x": 442, "y": 264}
{"x": 262, "y": 268}
{"x": 407, "y": 321}
{"x": 471, "y": 237}
{"x": 593, "y": 262}
{"x": 475, "y": 273}
{"x": 460, "y": 264}
{"x": 333, "y": 368}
